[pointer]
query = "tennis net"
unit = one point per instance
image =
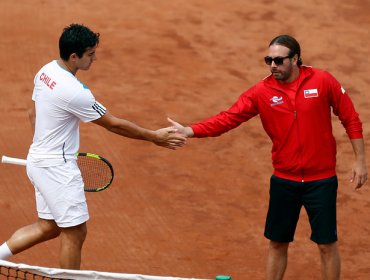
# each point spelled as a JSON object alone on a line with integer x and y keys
{"x": 12, "y": 271}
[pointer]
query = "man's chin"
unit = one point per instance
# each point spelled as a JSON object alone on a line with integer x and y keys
{"x": 85, "y": 68}
{"x": 277, "y": 76}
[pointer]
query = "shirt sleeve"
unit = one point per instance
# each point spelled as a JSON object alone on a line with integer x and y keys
{"x": 344, "y": 109}
{"x": 242, "y": 110}
{"x": 85, "y": 107}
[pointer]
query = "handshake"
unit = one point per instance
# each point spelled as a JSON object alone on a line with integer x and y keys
{"x": 172, "y": 137}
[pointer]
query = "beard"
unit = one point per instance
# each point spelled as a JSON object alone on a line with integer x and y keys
{"x": 282, "y": 75}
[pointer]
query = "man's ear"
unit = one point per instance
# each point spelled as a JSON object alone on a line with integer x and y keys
{"x": 295, "y": 58}
{"x": 73, "y": 57}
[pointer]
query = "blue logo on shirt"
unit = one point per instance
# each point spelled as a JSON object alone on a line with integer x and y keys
{"x": 85, "y": 86}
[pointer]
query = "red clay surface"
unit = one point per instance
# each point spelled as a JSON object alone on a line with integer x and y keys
{"x": 199, "y": 211}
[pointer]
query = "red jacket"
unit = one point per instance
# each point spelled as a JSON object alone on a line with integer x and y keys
{"x": 304, "y": 148}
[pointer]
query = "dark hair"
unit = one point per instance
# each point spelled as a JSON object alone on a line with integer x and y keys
{"x": 289, "y": 42}
{"x": 76, "y": 38}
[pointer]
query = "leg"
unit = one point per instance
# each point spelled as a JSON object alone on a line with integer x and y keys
{"x": 277, "y": 260}
{"x": 330, "y": 261}
{"x": 60, "y": 195}
{"x": 72, "y": 239}
{"x": 320, "y": 203}
{"x": 281, "y": 221}
{"x": 30, "y": 235}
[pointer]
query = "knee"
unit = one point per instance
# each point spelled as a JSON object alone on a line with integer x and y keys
{"x": 326, "y": 249}
{"x": 279, "y": 246}
{"x": 80, "y": 232}
{"x": 76, "y": 233}
{"x": 83, "y": 232}
{"x": 49, "y": 229}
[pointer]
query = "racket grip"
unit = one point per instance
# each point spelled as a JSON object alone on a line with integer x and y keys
{"x": 11, "y": 160}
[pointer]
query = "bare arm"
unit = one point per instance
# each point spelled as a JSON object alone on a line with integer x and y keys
{"x": 359, "y": 170}
{"x": 165, "y": 137}
{"x": 32, "y": 116}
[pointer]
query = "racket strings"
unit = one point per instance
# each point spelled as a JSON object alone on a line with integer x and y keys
{"x": 95, "y": 172}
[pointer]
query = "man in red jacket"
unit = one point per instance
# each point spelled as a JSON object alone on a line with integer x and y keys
{"x": 294, "y": 104}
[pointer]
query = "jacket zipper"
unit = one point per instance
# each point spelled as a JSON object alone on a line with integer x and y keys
{"x": 295, "y": 118}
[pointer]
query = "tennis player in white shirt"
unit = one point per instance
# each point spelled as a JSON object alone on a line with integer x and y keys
{"x": 61, "y": 102}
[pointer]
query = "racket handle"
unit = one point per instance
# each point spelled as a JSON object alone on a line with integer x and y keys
{"x": 11, "y": 160}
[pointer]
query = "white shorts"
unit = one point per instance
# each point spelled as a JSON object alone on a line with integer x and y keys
{"x": 59, "y": 192}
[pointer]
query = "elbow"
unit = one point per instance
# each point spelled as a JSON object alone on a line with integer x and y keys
{"x": 32, "y": 116}
{"x": 111, "y": 127}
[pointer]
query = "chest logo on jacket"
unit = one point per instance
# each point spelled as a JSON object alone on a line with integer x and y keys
{"x": 309, "y": 93}
{"x": 276, "y": 100}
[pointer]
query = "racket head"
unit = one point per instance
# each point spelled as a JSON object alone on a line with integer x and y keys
{"x": 96, "y": 171}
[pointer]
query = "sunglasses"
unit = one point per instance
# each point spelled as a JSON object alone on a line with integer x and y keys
{"x": 279, "y": 60}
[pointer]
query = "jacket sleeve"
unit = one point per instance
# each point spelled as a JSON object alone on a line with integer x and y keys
{"x": 344, "y": 109}
{"x": 242, "y": 110}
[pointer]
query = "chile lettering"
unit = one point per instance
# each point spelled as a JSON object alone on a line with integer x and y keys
{"x": 47, "y": 81}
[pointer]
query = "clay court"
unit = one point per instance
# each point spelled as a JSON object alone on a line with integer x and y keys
{"x": 198, "y": 211}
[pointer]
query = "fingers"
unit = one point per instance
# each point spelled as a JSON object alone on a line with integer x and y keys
{"x": 176, "y": 143}
{"x": 177, "y": 136}
{"x": 169, "y": 137}
{"x": 361, "y": 180}
{"x": 173, "y": 123}
{"x": 353, "y": 175}
{"x": 172, "y": 145}
{"x": 176, "y": 125}
{"x": 172, "y": 141}
{"x": 170, "y": 129}
{"x": 359, "y": 174}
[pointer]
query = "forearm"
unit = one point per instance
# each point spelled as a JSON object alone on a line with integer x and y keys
{"x": 358, "y": 146}
{"x": 165, "y": 137}
{"x": 128, "y": 129}
{"x": 125, "y": 128}
{"x": 359, "y": 169}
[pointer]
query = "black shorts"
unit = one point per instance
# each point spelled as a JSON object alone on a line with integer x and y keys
{"x": 286, "y": 200}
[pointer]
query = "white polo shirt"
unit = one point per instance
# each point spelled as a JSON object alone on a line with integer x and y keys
{"x": 61, "y": 101}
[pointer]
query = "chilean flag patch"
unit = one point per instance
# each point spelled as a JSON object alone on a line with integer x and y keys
{"x": 308, "y": 93}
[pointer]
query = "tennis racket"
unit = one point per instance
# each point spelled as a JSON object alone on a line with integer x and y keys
{"x": 97, "y": 172}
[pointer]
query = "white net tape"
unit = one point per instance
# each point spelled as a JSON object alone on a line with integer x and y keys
{"x": 24, "y": 271}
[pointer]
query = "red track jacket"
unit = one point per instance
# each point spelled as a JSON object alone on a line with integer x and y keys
{"x": 304, "y": 148}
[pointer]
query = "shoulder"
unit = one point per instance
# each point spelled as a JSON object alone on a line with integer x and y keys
{"x": 254, "y": 92}
{"x": 316, "y": 72}
{"x": 51, "y": 67}
{"x": 43, "y": 68}
{"x": 266, "y": 83}
{"x": 254, "y": 88}
{"x": 81, "y": 96}
{"x": 325, "y": 80}
{"x": 68, "y": 82}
